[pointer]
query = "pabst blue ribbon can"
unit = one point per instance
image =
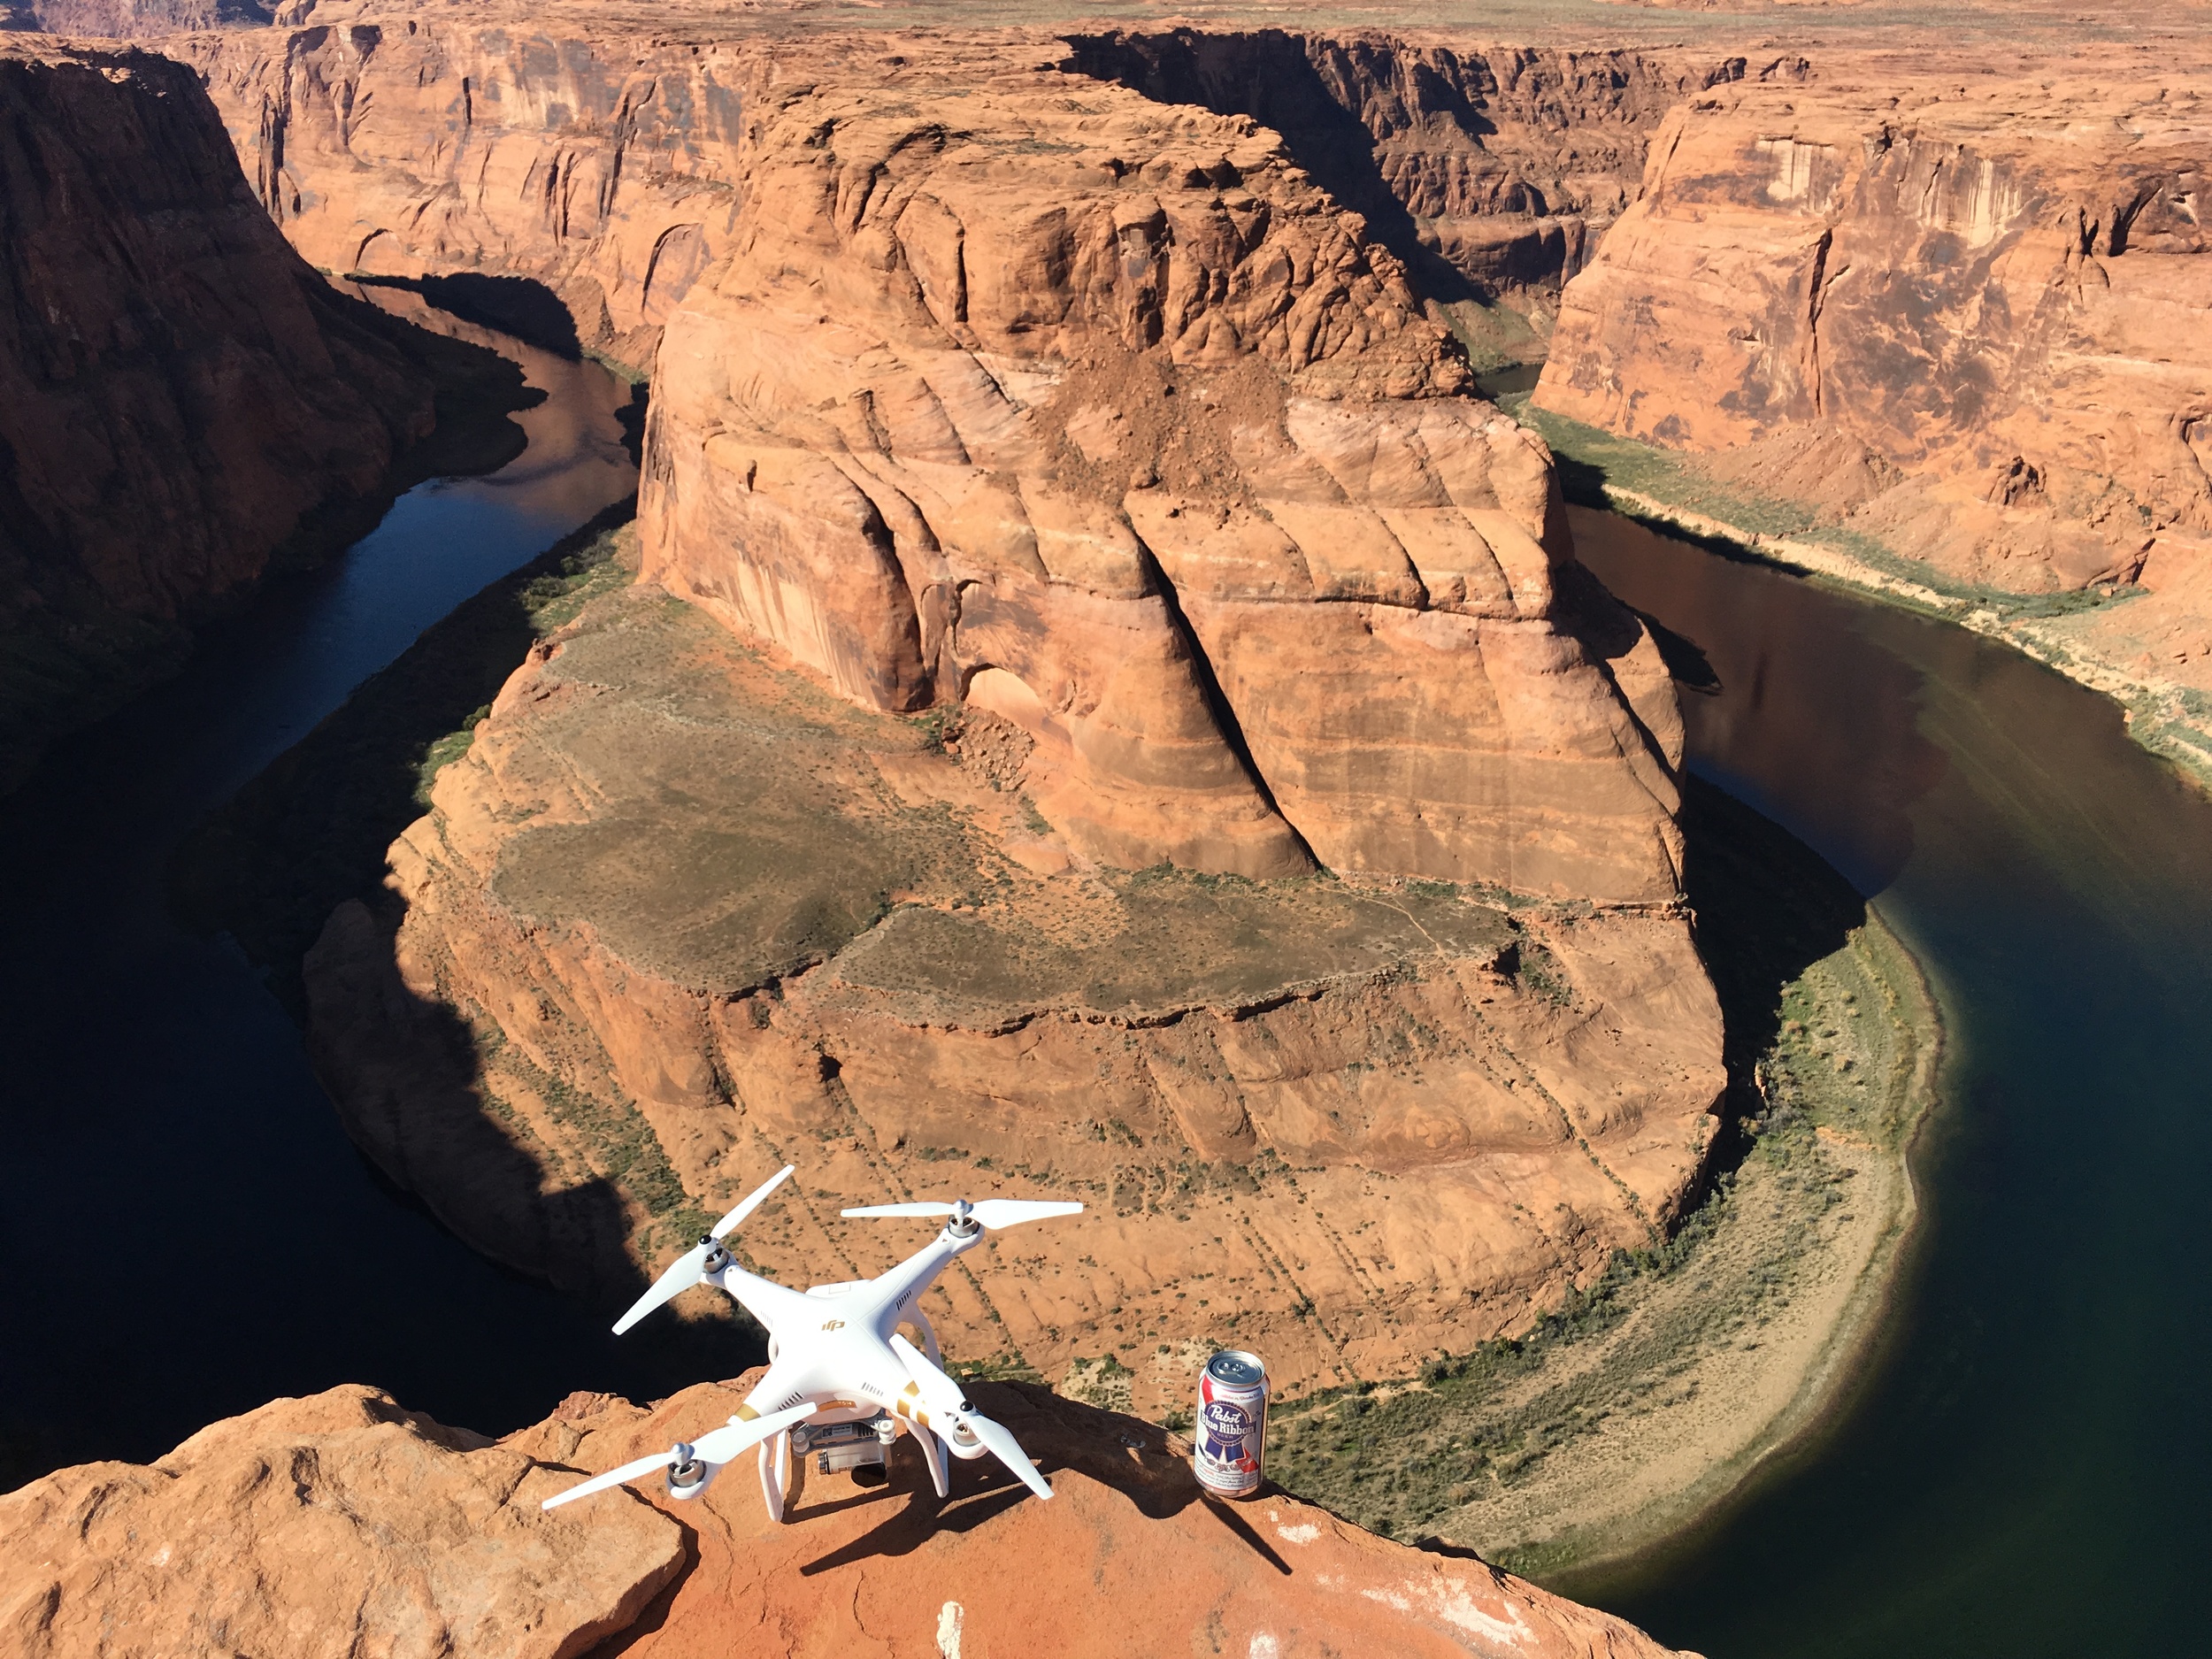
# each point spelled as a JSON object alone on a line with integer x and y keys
{"x": 1232, "y": 1428}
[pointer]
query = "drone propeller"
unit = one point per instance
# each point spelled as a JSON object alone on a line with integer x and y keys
{"x": 993, "y": 1213}
{"x": 701, "y": 1259}
{"x": 710, "y": 1450}
{"x": 949, "y": 1405}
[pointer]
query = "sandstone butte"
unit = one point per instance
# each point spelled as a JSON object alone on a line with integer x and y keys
{"x": 344, "y": 1523}
{"x": 998, "y": 391}
{"x": 178, "y": 390}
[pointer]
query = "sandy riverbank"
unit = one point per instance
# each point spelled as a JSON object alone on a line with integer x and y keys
{"x": 1652, "y": 1398}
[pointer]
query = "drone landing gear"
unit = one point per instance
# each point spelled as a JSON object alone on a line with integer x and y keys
{"x": 775, "y": 1465}
{"x": 934, "y": 1455}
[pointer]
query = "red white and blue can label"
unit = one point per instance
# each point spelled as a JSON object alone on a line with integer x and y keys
{"x": 1231, "y": 1431}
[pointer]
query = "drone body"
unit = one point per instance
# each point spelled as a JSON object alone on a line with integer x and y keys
{"x": 836, "y": 1358}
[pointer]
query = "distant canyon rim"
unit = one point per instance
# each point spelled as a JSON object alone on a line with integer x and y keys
{"x": 1066, "y": 442}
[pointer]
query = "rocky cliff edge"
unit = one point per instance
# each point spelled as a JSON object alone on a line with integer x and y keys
{"x": 343, "y": 1524}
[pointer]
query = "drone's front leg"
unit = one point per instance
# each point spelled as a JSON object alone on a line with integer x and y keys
{"x": 775, "y": 1473}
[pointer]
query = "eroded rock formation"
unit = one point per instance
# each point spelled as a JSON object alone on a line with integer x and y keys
{"x": 343, "y": 1524}
{"x": 340, "y": 1524}
{"x": 1100, "y": 416}
{"x": 1504, "y": 165}
{"x": 503, "y": 145}
{"x": 1091, "y": 425}
{"x": 681, "y": 916}
{"x": 595, "y": 175}
{"x": 1969, "y": 319}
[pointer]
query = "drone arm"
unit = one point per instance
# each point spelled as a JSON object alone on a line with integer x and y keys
{"x": 777, "y": 1308}
{"x": 898, "y": 1294}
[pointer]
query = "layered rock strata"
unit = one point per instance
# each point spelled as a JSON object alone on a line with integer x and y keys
{"x": 1088, "y": 434}
{"x": 584, "y": 175}
{"x": 681, "y": 916}
{"x": 1968, "y": 319}
{"x": 343, "y": 1524}
{"x": 1099, "y": 416}
{"x": 1963, "y": 323}
{"x": 1504, "y": 165}
{"x": 178, "y": 390}
{"x": 605, "y": 169}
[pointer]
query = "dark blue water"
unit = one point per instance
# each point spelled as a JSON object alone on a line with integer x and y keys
{"x": 184, "y": 1230}
{"x": 2022, "y": 1469}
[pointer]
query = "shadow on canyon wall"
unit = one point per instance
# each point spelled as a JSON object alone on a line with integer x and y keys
{"x": 1269, "y": 76}
{"x": 77, "y": 660}
{"x": 293, "y": 865}
{"x": 517, "y": 305}
{"x": 1767, "y": 908}
{"x": 311, "y": 831}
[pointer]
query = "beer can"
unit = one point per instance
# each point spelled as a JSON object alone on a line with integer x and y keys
{"x": 1231, "y": 1432}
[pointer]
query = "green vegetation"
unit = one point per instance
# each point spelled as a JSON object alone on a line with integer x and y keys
{"x": 1494, "y": 337}
{"x": 1593, "y": 465}
{"x": 1827, "y": 1036}
{"x": 1600, "y": 468}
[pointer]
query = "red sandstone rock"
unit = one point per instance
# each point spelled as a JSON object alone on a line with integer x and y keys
{"x": 337, "y": 1525}
{"x": 604, "y": 169}
{"x": 177, "y": 388}
{"x": 1353, "y": 1123}
{"x": 1996, "y": 290}
{"x": 1096, "y": 412}
{"x": 1126, "y": 1558}
{"x": 991, "y": 386}
{"x": 178, "y": 391}
{"x": 344, "y": 1525}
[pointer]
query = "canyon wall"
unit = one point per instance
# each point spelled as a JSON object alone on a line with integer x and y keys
{"x": 178, "y": 390}
{"x": 344, "y": 1524}
{"x": 605, "y": 167}
{"x": 130, "y": 19}
{"x": 1969, "y": 319}
{"x": 585, "y": 167}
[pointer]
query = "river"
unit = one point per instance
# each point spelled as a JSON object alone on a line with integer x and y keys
{"x": 185, "y": 1233}
{"x": 184, "y": 1230}
{"x": 2021, "y": 1468}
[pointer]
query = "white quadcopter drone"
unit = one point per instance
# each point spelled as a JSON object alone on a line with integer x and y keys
{"x": 841, "y": 1380}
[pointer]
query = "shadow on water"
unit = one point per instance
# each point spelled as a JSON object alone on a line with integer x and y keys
{"x": 1767, "y": 908}
{"x": 516, "y": 306}
{"x": 312, "y": 830}
{"x": 2018, "y": 1470}
{"x": 185, "y": 1231}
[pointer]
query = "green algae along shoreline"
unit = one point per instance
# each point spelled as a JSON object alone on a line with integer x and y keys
{"x": 1666, "y": 492}
{"x": 1624, "y": 1417}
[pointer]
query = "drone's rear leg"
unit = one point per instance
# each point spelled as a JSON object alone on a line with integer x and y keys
{"x": 775, "y": 1473}
{"x": 934, "y": 1455}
